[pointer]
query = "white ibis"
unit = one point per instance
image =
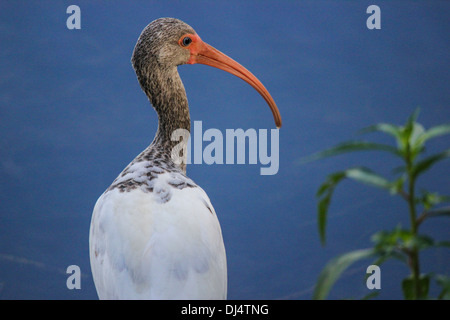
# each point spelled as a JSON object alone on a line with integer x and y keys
{"x": 154, "y": 233}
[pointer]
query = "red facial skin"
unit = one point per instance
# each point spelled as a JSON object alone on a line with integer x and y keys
{"x": 203, "y": 53}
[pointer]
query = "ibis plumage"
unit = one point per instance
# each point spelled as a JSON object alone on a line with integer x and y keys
{"x": 154, "y": 233}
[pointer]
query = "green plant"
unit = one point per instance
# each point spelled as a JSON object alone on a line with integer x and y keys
{"x": 400, "y": 243}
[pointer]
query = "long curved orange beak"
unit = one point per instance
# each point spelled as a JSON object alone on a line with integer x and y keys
{"x": 203, "y": 53}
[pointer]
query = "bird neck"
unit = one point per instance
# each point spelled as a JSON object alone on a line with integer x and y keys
{"x": 166, "y": 93}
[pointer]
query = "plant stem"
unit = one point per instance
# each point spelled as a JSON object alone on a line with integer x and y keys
{"x": 414, "y": 254}
{"x": 412, "y": 205}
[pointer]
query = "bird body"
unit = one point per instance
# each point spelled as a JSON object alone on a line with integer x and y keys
{"x": 154, "y": 233}
{"x": 161, "y": 245}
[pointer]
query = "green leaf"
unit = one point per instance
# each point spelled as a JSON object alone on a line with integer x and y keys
{"x": 391, "y": 129}
{"x": 445, "y": 244}
{"x": 433, "y": 133}
{"x": 409, "y": 287}
{"x": 368, "y": 177}
{"x": 397, "y": 185}
{"x": 398, "y": 240}
{"x": 413, "y": 117}
{"x": 407, "y": 134}
{"x": 350, "y": 146}
{"x": 444, "y": 282}
{"x": 439, "y": 212}
{"x": 433, "y": 213}
{"x": 332, "y": 180}
{"x": 324, "y": 203}
{"x": 420, "y": 242}
{"x": 403, "y": 135}
{"x": 415, "y": 147}
{"x": 333, "y": 270}
{"x": 431, "y": 199}
{"x": 325, "y": 191}
{"x": 387, "y": 245}
{"x": 417, "y": 131}
{"x": 426, "y": 163}
{"x": 371, "y": 295}
{"x": 388, "y": 242}
{"x": 411, "y": 120}
{"x": 384, "y": 256}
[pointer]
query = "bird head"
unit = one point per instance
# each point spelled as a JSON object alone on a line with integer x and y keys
{"x": 169, "y": 42}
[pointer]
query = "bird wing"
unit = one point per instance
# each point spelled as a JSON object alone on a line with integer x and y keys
{"x": 164, "y": 244}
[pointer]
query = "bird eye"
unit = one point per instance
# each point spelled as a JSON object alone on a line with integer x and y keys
{"x": 186, "y": 41}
